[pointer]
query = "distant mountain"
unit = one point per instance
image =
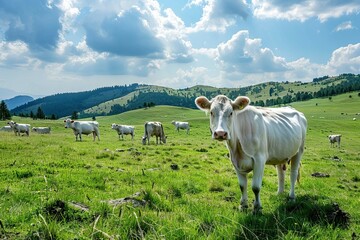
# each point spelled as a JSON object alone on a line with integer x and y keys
{"x": 17, "y": 101}
{"x": 118, "y": 99}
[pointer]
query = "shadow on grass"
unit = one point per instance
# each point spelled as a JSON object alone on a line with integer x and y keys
{"x": 294, "y": 218}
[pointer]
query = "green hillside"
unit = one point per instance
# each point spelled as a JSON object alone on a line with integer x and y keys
{"x": 118, "y": 99}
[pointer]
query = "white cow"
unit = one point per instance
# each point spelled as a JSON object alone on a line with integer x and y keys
{"x": 255, "y": 137}
{"x": 181, "y": 125}
{"x": 335, "y": 138}
{"x": 20, "y": 128}
{"x": 123, "y": 130}
{"x": 6, "y": 129}
{"x": 154, "y": 129}
{"x": 83, "y": 127}
{"x": 41, "y": 130}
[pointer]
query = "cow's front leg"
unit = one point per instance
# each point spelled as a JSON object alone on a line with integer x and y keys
{"x": 258, "y": 173}
{"x": 242, "y": 178}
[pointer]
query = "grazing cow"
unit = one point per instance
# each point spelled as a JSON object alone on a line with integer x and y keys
{"x": 83, "y": 127}
{"x": 154, "y": 129}
{"x": 41, "y": 130}
{"x": 255, "y": 137}
{"x": 335, "y": 138}
{"x": 6, "y": 129}
{"x": 181, "y": 125}
{"x": 20, "y": 128}
{"x": 124, "y": 130}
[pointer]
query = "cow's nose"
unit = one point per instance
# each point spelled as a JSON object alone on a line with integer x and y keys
{"x": 220, "y": 135}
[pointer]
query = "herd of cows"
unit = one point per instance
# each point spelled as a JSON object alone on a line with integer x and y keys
{"x": 92, "y": 127}
{"x": 254, "y": 137}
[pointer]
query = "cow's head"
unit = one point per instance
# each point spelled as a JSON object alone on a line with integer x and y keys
{"x": 163, "y": 138}
{"x": 68, "y": 123}
{"x": 114, "y": 126}
{"x": 143, "y": 140}
{"x": 12, "y": 123}
{"x": 221, "y": 110}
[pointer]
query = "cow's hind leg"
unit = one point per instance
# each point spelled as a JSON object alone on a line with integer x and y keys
{"x": 295, "y": 172}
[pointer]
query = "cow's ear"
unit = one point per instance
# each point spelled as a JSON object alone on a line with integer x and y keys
{"x": 64, "y": 120}
{"x": 240, "y": 103}
{"x": 203, "y": 103}
{"x": 72, "y": 121}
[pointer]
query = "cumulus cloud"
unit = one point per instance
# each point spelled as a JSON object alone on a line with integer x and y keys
{"x": 220, "y": 14}
{"x": 346, "y": 59}
{"x": 302, "y": 10}
{"x": 246, "y": 55}
{"x": 36, "y": 24}
{"x": 128, "y": 34}
{"x": 123, "y": 37}
{"x": 13, "y": 53}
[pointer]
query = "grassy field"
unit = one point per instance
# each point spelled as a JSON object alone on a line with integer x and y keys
{"x": 52, "y": 187}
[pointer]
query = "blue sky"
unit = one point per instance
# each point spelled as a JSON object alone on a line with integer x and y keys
{"x": 53, "y": 46}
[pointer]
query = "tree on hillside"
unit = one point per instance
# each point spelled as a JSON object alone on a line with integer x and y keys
{"x": 40, "y": 113}
{"x": 74, "y": 115}
{"x": 4, "y": 111}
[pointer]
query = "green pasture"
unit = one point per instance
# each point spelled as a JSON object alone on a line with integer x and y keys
{"x": 52, "y": 187}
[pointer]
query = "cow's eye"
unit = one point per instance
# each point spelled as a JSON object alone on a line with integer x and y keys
{"x": 231, "y": 114}
{"x": 211, "y": 114}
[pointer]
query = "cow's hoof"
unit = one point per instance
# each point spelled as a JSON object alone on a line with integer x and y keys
{"x": 257, "y": 210}
{"x": 291, "y": 199}
{"x": 243, "y": 208}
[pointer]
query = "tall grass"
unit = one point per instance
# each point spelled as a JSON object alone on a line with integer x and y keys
{"x": 188, "y": 185}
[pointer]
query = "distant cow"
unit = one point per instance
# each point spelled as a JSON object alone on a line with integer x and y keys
{"x": 83, "y": 127}
{"x": 335, "y": 138}
{"x": 41, "y": 130}
{"x": 123, "y": 130}
{"x": 255, "y": 137}
{"x": 20, "y": 128}
{"x": 181, "y": 125}
{"x": 154, "y": 129}
{"x": 6, "y": 129}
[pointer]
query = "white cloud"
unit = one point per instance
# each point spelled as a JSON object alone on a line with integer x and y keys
{"x": 303, "y": 10}
{"x": 220, "y": 14}
{"x": 344, "y": 26}
{"x": 246, "y": 55}
{"x": 345, "y": 59}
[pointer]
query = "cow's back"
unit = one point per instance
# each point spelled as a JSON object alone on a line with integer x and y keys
{"x": 277, "y": 132}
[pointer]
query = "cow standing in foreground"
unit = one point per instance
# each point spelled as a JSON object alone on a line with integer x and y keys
{"x": 83, "y": 127}
{"x": 20, "y": 128}
{"x": 336, "y": 138}
{"x": 123, "y": 130}
{"x": 255, "y": 137}
{"x": 154, "y": 129}
{"x": 181, "y": 125}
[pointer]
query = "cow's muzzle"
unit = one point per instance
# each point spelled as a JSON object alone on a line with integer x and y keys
{"x": 220, "y": 135}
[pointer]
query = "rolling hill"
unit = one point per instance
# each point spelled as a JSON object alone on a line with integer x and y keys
{"x": 118, "y": 99}
{"x": 17, "y": 101}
